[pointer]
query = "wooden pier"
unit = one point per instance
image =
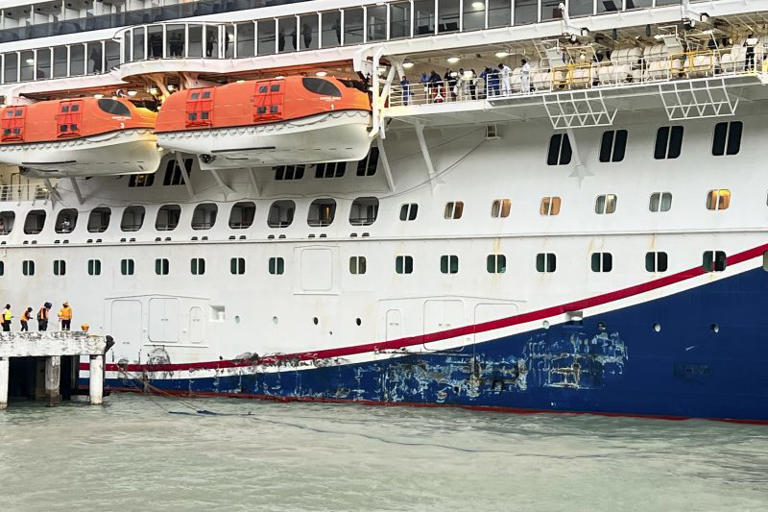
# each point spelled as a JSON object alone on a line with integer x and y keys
{"x": 46, "y": 365}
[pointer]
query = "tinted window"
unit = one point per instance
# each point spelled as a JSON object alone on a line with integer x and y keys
{"x": 113, "y": 107}
{"x": 320, "y": 86}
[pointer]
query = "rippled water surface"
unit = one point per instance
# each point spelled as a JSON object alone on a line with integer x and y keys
{"x": 136, "y": 453}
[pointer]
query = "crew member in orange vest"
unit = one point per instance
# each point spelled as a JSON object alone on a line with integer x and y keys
{"x": 26, "y": 316}
{"x": 65, "y": 316}
{"x": 42, "y": 316}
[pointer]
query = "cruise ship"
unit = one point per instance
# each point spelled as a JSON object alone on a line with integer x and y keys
{"x": 509, "y": 205}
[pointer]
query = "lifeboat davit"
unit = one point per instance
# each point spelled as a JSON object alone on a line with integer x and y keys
{"x": 291, "y": 120}
{"x": 79, "y": 137}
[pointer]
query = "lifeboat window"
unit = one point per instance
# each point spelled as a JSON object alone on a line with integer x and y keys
{"x": 367, "y": 166}
{"x": 449, "y": 264}
{"x": 276, "y": 266}
{"x": 714, "y": 261}
{"x": 204, "y": 216}
{"x": 6, "y": 222}
{"x": 98, "y": 220}
{"x": 168, "y": 217}
{"x": 19, "y": 112}
{"x": 546, "y": 262}
{"x": 496, "y": 264}
{"x": 404, "y": 264}
{"x": 141, "y": 180}
{"x": 364, "y": 211}
{"x": 262, "y": 89}
{"x": 64, "y": 109}
{"x": 34, "y": 222}
{"x": 656, "y": 261}
{"x": 206, "y": 95}
{"x": 133, "y": 219}
{"x": 281, "y": 214}
{"x": 114, "y": 107}
{"x": 601, "y": 262}
{"x": 13, "y": 126}
{"x": 320, "y": 86}
{"x": 242, "y": 214}
{"x": 68, "y": 120}
{"x": 274, "y": 109}
{"x": 74, "y": 108}
{"x": 321, "y": 212}
{"x": 261, "y": 110}
{"x": 66, "y": 221}
{"x": 274, "y": 88}
{"x": 194, "y": 96}
{"x": 199, "y": 108}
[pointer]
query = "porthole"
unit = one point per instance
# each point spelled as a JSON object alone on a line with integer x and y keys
{"x": 237, "y": 319}
{"x": 657, "y": 327}
{"x": 715, "y": 328}
{"x": 274, "y": 320}
{"x": 358, "y": 322}
{"x": 315, "y": 320}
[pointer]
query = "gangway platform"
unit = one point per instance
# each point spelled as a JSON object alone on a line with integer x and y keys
{"x": 45, "y": 365}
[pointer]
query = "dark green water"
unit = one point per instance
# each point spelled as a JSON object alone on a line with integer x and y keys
{"x": 133, "y": 454}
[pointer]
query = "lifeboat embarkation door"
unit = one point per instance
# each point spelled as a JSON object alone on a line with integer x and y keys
{"x": 13, "y": 124}
{"x": 69, "y": 118}
{"x": 199, "y": 107}
{"x": 268, "y": 101}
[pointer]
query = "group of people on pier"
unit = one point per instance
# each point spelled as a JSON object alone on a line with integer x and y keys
{"x": 43, "y": 315}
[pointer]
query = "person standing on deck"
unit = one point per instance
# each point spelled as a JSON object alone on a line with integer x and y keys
{"x": 26, "y": 316}
{"x": 65, "y": 316}
{"x": 506, "y": 79}
{"x": 7, "y": 318}
{"x": 42, "y": 316}
{"x": 525, "y": 77}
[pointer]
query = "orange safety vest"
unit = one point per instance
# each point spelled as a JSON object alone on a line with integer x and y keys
{"x": 65, "y": 313}
{"x": 42, "y": 314}
{"x": 25, "y": 316}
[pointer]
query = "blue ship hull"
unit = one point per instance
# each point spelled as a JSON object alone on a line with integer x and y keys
{"x": 698, "y": 353}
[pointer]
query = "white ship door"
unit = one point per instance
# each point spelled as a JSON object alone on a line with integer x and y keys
{"x": 163, "y": 320}
{"x": 440, "y": 315}
{"x": 394, "y": 325}
{"x": 126, "y": 324}
{"x": 196, "y": 325}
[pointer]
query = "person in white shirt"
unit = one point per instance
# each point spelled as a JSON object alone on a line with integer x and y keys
{"x": 506, "y": 79}
{"x": 525, "y": 77}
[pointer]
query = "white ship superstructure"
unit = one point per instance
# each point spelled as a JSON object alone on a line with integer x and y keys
{"x": 562, "y": 205}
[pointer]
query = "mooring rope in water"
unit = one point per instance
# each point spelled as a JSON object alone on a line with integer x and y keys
{"x": 205, "y": 412}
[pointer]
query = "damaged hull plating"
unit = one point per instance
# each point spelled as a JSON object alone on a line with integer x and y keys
{"x": 662, "y": 358}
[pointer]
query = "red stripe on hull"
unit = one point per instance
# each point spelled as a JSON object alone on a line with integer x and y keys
{"x": 522, "y": 318}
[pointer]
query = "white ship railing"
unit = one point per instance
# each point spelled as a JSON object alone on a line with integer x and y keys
{"x": 473, "y": 86}
{"x": 24, "y": 192}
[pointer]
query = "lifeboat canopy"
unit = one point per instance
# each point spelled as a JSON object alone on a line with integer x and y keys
{"x": 281, "y": 121}
{"x": 79, "y": 137}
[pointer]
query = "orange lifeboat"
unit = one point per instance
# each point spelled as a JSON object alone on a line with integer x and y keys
{"x": 289, "y": 120}
{"x": 79, "y": 137}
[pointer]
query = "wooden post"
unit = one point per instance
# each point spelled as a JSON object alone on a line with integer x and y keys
{"x": 4, "y": 376}
{"x": 53, "y": 380}
{"x": 96, "y": 380}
